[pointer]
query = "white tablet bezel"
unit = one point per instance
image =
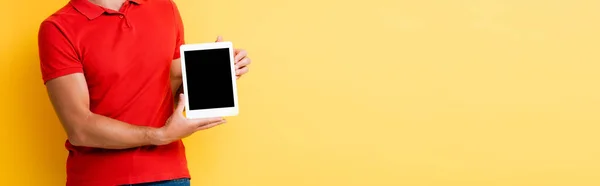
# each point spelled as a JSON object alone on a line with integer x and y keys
{"x": 214, "y": 112}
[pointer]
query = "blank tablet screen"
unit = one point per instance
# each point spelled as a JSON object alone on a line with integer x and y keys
{"x": 208, "y": 74}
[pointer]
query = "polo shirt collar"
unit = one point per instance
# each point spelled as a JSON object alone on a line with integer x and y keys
{"x": 91, "y": 10}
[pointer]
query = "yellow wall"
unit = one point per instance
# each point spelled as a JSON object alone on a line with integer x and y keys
{"x": 378, "y": 92}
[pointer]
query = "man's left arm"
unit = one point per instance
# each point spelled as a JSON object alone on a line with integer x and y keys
{"x": 241, "y": 56}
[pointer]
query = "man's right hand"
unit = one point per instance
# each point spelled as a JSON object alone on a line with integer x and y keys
{"x": 178, "y": 127}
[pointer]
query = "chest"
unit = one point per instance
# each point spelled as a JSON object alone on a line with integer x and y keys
{"x": 136, "y": 44}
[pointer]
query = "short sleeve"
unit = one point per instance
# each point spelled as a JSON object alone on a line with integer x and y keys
{"x": 57, "y": 55}
{"x": 179, "y": 26}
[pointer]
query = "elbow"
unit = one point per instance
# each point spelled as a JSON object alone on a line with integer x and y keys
{"x": 77, "y": 138}
{"x": 78, "y": 135}
{"x": 75, "y": 142}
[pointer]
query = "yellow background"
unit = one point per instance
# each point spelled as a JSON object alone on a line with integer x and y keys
{"x": 378, "y": 92}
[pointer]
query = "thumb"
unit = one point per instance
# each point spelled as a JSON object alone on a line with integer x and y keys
{"x": 219, "y": 39}
{"x": 180, "y": 104}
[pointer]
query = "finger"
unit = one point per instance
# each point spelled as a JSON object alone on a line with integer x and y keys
{"x": 244, "y": 62}
{"x": 205, "y": 121}
{"x": 203, "y": 127}
{"x": 219, "y": 39}
{"x": 241, "y": 54}
{"x": 242, "y": 71}
{"x": 180, "y": 104}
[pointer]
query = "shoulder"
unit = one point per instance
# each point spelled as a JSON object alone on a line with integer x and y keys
{"x": 165, "y": 3}
{"x": 167, "y": 6}
{"x": 65, "y": 17}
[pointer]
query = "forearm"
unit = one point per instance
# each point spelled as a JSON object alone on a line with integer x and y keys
{"x": 176, "y": 77}
{"x": 103, "y": 132}
{"x": 176, "y": 86}
{"x": 69, "y": 97}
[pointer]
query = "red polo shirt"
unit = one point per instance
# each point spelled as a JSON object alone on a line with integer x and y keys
{"x": 125, "y": 57}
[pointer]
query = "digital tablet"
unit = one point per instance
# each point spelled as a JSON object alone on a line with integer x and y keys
{"x": 209, "y": 81}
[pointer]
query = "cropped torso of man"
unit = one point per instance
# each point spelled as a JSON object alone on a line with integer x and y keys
{"x": 110, "y": 75}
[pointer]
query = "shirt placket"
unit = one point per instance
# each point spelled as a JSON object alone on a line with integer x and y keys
{"x": 122, "y": 14}
{"x": 124, "y": 17}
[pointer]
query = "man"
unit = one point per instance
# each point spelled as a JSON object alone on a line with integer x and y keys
{"x": 111, "y": 68}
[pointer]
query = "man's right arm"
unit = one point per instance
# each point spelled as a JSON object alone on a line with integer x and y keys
{"x": 70, "y": 98}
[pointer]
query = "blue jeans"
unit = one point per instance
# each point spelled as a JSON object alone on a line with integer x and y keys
{"x": 175, "y": 182}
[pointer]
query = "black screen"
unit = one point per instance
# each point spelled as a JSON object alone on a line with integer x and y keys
{"x": 208, "y": 74}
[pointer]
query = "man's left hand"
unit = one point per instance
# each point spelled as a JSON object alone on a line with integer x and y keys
{"x": 241, "y": 60}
